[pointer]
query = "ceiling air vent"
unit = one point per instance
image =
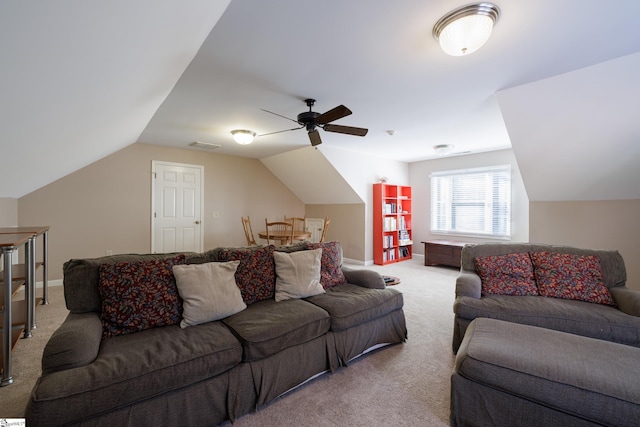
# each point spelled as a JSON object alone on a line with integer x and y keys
{"x": 205, "y": 145}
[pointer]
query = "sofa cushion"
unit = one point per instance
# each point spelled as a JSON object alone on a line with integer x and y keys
{"x": 350, "y": 305}
{"x": 612, "y": 263}
{"x": 294, "y": 247}
{"x": 139, "y": 295}
{"x": 331, "y": 272}
{"x": 82, "y": 277}
{"x": 571, "y": 277}
{"x": 576, "y": 317}
{"x": 510, "y": 274}
{"x": 135, "y": 367}
{"x": 75, "y": 343}
{"x": 256, "y": 274}
{"x": 297, "y": 274}
{"x": 268, "y": 327}
{"x": 209, "y": 291}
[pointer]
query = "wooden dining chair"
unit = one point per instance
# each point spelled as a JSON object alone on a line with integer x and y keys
{"x": 298, "y": 224}
{"x": 248, "y": 231}
{"x": 324, "y": 229}
{"x": 279, "y": 230}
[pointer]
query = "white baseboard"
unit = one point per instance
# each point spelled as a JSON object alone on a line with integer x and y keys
{"x": 370, "y": 262}
{"x": 352, "y": 261}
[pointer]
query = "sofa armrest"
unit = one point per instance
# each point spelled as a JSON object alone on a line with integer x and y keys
{"x": 364, "y": 278}
{"x": 627, "y": 300}
{"x": 468, "y": 284}
{"x": 75, "y": 343}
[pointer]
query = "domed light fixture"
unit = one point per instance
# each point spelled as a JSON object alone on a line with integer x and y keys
{"x": 243, "y": 136}
{"x": 465, "y": 29}
{"x": 443, "y": 149}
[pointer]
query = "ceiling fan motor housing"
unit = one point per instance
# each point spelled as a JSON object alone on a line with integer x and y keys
{"x": 308, "y": 118}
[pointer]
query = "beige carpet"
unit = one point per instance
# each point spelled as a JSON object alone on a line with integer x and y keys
{"x": 406, "y": 384}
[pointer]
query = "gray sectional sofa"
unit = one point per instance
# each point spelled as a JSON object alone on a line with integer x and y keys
{"x": 212, "y": 372}
{"x": 619, "y": 323}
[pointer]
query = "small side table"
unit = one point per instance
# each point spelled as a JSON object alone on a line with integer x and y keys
{"x": 443, "y": 252}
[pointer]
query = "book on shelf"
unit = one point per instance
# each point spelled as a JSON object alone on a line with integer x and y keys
{"x": 388, "y": 255}
{"x": 403, "y": 223}
{"x": 404, "y": 238}
{"x": 387, "y": 242}
{"x": 390, "y": 224}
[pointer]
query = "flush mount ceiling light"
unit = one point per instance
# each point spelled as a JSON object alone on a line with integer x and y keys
{"x": 465, "y": 29}
{"x": 243, "y": 136}
{"x": 443, "y": 149}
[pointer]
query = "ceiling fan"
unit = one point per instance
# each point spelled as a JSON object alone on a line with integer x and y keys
{"x": 312, "y": 120}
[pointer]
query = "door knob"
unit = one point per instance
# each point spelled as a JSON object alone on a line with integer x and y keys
{"x": 197, "y": 222}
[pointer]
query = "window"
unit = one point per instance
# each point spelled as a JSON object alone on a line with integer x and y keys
{"x": 472, "y": 202}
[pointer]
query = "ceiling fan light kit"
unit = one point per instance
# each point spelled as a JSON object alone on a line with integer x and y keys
{"x": 466, "y": 29}
{"x": 243, "y": 136}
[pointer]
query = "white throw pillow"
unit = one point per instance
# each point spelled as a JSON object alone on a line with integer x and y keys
{"x": 209, "y": 291}
{"x": 298, "y": 274}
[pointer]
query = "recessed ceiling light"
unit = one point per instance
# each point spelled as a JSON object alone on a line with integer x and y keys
{"x": 443, "y": 149}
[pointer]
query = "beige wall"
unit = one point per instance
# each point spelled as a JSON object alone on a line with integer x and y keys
{"x": 107, "y": 204}
{"x": 8, "y": 212}
{"x": 591, "y": 224}
{"x": 421, "y": 192}
{"x": 347, "y": 226}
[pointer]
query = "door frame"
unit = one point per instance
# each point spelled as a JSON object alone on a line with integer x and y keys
{"x": 155, "y": 163}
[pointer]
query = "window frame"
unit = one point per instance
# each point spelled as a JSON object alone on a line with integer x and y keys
{"x": 492, "y": 203}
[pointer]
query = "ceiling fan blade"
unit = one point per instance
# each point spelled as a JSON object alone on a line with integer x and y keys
{"x": 314, "y": 137}
{"x": 349, "y": 130}
{"x": 280, "y": 131}
{"x": 279, "y": 115}
{"x": 334, "y": 114}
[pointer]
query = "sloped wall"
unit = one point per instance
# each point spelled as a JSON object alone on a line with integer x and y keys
{"x": 107, "y": 205}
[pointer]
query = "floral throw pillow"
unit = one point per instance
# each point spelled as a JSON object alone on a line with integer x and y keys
{"x": 256, "y": 274}
{"x": 139, "y": 295}
{"x": 570, "y": 277}
{"x": 330, "y": 264}
{"x": 510, "y": 274}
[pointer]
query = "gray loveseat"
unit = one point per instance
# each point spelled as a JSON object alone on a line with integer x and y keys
{"x": 214, "y": 371}
{"x": 619, "y": 323}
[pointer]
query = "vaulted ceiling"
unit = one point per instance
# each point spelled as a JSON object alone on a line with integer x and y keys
{"x": 557, "y": 82}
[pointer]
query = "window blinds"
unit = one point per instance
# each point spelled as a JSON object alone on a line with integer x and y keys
{"x": 472, "y": 201}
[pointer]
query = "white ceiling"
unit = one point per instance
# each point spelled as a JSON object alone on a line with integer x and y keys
{"x": 82, "y": 80}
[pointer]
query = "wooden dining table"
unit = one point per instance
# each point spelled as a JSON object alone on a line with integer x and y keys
{"x": 284, "y": 236}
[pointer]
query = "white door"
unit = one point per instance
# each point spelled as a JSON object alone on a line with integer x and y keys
{"x": 314, "y": 226}
{"x": 176, "y": 211}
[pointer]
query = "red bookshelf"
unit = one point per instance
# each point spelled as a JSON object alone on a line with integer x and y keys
{"x": 392, "y": 234}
